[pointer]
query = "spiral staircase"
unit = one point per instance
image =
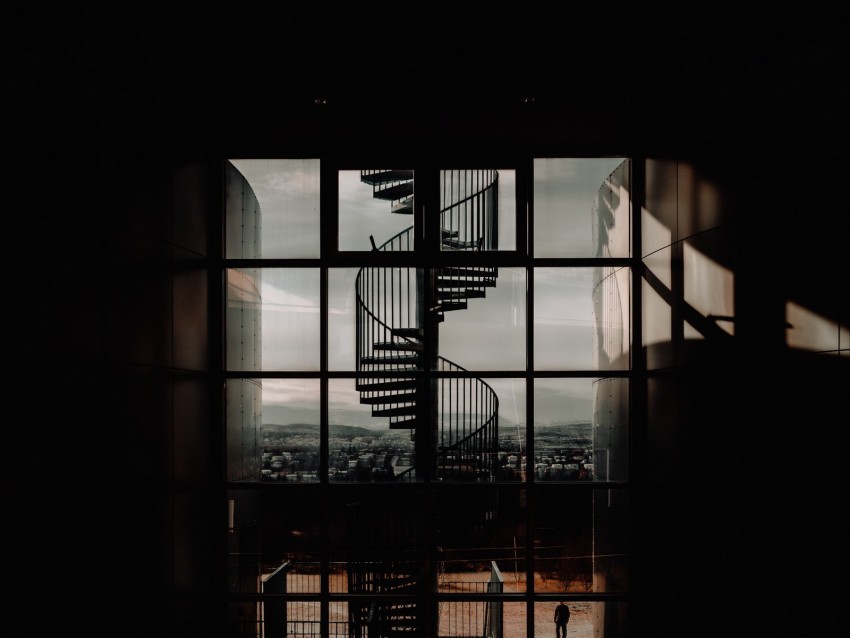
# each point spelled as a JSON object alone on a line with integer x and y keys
{"x": 453, "y": 419}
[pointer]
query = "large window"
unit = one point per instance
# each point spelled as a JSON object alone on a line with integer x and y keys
{"x": 428, "y": 375}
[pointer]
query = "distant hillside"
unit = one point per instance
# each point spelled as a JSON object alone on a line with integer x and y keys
{"x": 575, "y": 429}
{"x": 273, "y": 413}
{"x": 307, "y": 428}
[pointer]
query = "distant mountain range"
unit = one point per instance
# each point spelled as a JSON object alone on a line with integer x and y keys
{"x": 576, "y": 429}
{"x": 309, "y": 428}
{"x": 583, "y": 427}
{"x": 287, "y": 414}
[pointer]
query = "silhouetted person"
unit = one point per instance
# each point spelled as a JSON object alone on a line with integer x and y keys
{"x": 562, "y": 617}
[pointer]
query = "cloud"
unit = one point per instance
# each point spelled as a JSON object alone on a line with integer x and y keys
{"x": 302, "y": 393}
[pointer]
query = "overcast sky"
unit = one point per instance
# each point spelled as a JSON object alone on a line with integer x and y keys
{"x": 288, "y": 193}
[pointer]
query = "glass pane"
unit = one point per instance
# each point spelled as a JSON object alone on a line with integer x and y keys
{"x": 582, "y": 318}
{"x": 272, "y": 319}
{"x": 291, "y": 618}
{"x": 610, "y": 541}
{"x": 480, "y": 429}
{"x": 581, "y": 207}
{"x": 480, "y": 535}
{"x": 563, "y": 318}
{"x": 242, "y": 217}
{"x": 376, "y": 210}
{"x": 585, "y": 619}
{"x": 563, "y": 541}
{"x": 477, "y": 308}
{"x": 611, "y": 429}
{"x": 483, "y": 618}
{"x": 389, "y": 326}
{"x": 478, "y": 209}
{"x": 563, "y": 429}
{"x": 243, "y": 618}
{"x": 581, "y": 429}
{"x": 273, "y": 429}
{"x": 338, "y": 626}
{"x": 612, "y": 313}
{"x": 365, "y": 444}
{"x": 342, "y": 285}
{"x": 273, "y": 543}
{"x": 272, "y": 208}
{"x": 290, "y": 429}
{"x": 244, "y": 418}
{"x": 243, "y": 320}
{"x": 376, "y": 540}
{"x": 383, "y": 617}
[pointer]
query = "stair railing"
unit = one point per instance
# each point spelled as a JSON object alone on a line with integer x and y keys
{"x": 468, "y": 427}
{"x": 470, "y": 207}
{"x": 388, "y": 298}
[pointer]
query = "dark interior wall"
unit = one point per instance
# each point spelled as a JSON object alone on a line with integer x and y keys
{"x": 112, "y": 447}
{"x": 741, "y": 492}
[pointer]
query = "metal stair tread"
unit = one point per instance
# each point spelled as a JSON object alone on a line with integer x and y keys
{"x": 450, "y": 305}
{"x": 389, "y": 359}
{"x": 470, "y": 271}
{"x": 397, "y": 346}
{"x": 460, "y": 243}
{"x": 460, "y": 294}
{"x": 398, "y": 581}
{"x": 402, "y": 410}
{"x": 403, "y": 208}
{"x": 416, "y": 333}
{"x": 383, "y": 177}
{"x": 392, "y": 193}
{"x": 484, "y": 282}
{"x": 388, "y": 399}
{"x": 381, "y": 385}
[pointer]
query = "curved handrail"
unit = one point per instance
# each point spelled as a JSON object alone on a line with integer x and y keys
{"x": 469, "y": 454}
{"x": 406, "y": 234}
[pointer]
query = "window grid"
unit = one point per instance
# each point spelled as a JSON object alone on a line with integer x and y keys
{"x": 528, "y": 489}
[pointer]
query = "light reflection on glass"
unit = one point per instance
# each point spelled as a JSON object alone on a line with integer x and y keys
{"x": 287, "y": 191}
{"x": 567, "y": 217}
{"x": 272, "y": 319}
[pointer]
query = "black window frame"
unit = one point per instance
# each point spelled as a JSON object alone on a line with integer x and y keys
{"x": 427, "y": 254}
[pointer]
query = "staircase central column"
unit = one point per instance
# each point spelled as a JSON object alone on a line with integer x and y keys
{"x": 427, "y": 221}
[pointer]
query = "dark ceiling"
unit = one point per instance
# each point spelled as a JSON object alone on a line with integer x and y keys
{"x": 415, "y": 75}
